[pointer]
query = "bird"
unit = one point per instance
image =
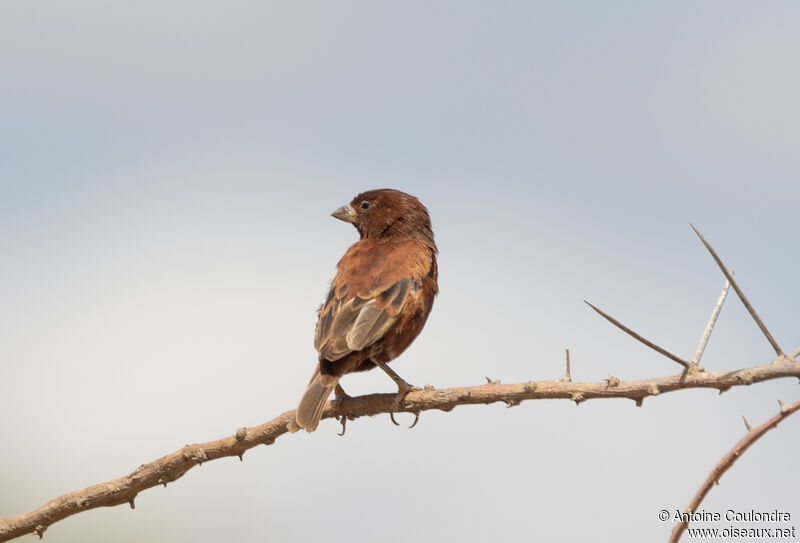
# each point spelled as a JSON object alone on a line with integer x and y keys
{"x": 379, "y": 299}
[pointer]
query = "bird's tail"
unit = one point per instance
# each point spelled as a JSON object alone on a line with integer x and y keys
{"x": 313, "y": 401}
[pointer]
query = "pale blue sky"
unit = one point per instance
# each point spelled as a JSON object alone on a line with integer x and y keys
{"x": 167, "y": 170}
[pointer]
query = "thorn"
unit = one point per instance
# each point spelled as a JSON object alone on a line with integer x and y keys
{"x": 723, "y": 389}
{"x": 747, "y": 424}
{"x": 711, "y": 321}
{"x": 511, "y": 403}
{"x": 131, "y": 503}
{"x": 241, "y": 457}
{"x": 716, "y": 482}
{"x": 742, "y": 297}
{"x": 638, "y": 401}
{"x": 611, "y": 381}
{"x": 636, "y": 336}
{"x": 343, "y": 421}
{"x": 391, "y": 416}
{"x": 39, "y": 530}
{"x": 577, "y": 397}
{"x": 568, "y": 375}
{"x": 162, "y": 482}
{"x": 492, "y": 381}
{"x": 784, "y": 409}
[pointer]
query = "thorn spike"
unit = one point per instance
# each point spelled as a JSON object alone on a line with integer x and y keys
{"x": 742, "y": 297}
{"x": 711, "y": 322}
{"x": 636, "y": 336}
{"x": 568, "y": 374}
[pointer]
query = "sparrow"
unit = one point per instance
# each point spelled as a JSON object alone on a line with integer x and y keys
{"x": 380, "y": 298}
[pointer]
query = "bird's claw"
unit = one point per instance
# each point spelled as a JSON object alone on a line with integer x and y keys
{"x": 416, "y": 419}
{"x": 339, "y": 397}
{"x": 403, "y": 388}
{"x": 398, "y": 399}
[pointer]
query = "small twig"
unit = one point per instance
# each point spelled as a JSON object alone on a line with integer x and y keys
{"x": 647, "y": 342}
{"x": 728, "y": 460}
{"x": 747, "y": 424}
{"x": 710, "y": 326}
{"x": 796, "y": 353}
{"x": 742, "y": 297}
{"x": 568, "y": 375}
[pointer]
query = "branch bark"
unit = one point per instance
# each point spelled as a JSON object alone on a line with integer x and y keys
{"x": 753, "y": 435}
{"x": 171, "y": 467}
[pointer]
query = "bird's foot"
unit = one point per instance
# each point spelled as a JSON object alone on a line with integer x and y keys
{"x": 403, "y": 388}
{"x": 340, "y": 396}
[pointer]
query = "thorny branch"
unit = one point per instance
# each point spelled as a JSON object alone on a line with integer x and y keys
{"x": 753, "y": 435}
{"x": 171, "y": 467}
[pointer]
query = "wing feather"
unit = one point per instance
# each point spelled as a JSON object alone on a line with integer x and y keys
{"x": 356, "y": 313}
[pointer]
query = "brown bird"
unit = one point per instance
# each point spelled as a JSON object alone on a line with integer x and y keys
{"x": 380, "y": 298}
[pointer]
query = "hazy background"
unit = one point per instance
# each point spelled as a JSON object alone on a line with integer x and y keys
{"x": 167, "y": 170}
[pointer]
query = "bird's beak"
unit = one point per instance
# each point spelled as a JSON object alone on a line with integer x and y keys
{"x": 345, "y": 213}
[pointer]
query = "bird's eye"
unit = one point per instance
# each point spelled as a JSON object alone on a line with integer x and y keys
{"x": 365, "y": 205}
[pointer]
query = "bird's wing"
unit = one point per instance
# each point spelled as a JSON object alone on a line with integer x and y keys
{"x": 362, "y": 306}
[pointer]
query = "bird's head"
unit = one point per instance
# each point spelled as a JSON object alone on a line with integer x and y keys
{"x": 388, "y": 214}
